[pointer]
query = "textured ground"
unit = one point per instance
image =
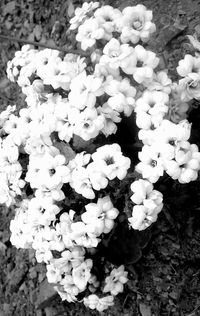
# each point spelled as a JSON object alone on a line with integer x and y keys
{"x": 166, "y": 280}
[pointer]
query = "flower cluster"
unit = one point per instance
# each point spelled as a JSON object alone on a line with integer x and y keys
{"x": 167, "y": 148}
{"x": 50, "y": 180}
{"x": 148, "y": 204}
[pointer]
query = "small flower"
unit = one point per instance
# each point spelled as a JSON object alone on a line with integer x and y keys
{"x": 188, "y": 65}
{"x": 142, "y": 217}
{"x": 111, "y": 161}
{"x": 121, "y": 95}
{"x": 84, "y": 90}
{"x": 136, "y": 24}
{"x": 141, "y": 189}
{"x": 82, "y": 13}
{"x": 189, "y": 87}
{"x": 88, "y": 124}
{"x": 114, "y": 283}
{"x": 151, "y": 165}
{"x": 100, "y": 216}
{"x": 81, "y": 274}
{"x": 89, "y": 32}
{"x": 146, "y": 62}
{"x": 94, "y": 302}
{"x": 117, "y": 55}
{"x": 107, "y": 18}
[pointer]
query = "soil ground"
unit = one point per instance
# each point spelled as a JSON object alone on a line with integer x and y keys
{"x": 166, "y": 280}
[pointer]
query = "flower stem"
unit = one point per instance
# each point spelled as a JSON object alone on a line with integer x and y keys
{"x": 23, "y": 41}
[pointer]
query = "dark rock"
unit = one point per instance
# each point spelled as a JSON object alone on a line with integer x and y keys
{"x": 43, "y": 295}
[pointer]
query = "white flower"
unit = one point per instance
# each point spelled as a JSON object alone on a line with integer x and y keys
{"x": 122, "y": 95}
{"x": 151, "y": 108}
{"x": 100, "y": 304}
{"x": 81, "y": 14}
{"x": 172, "y": 168}
{"x": 161, "y": 82}
{"x": 111, "y": 117}
{"x": 47, "y": 171}
{"x": 146, "y": 61}
{"x": 89, "y": 32}
{"x": 111, "y": 161}
{"x": 188, "y": 65}
{"x": 6, "y": 196}
{"x": 141, "y": 189}
{"x": 100, "y": 216}
{"x": 182, "y": 152}
{"x": 189, "y": 170}
{"x": 81, "y": 183}
{"x": 151, "y": 165}
{"x": 82, "y": 235}
{"x": 97, "y": 176}
{"x": 189, "y": 87}
{"x": 84, "y": 90}
{"x": 104, "y": 70}
{"x": 140, "y": 219}
{"x": 108, "y": 18}
{"x": 88, "y": 124}
{"x": 136, "y": 24}
{"x": 81, "y": 274}
{"x": 114, "y": 283}
{"x": 117, "y": 55}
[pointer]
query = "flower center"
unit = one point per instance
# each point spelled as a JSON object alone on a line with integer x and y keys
{"x": 109, "y": 160}
{"x": 153, "y": 163}
{"x": 86, "y": 125}
{"x": 137, "y": 24}
{"x": 193, "y": 84}
{"x": 139, "y": 63}
{"x": 114, "y": 54}
{"x": 52, "y": 171}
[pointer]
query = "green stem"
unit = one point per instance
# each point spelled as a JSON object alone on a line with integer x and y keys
{"x": 23, "y": 41}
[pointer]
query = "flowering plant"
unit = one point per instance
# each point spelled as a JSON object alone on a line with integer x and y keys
{"x": 69, "y": 194}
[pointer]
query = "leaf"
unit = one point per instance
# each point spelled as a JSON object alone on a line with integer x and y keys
{"x": 4, "y": 83}
{"x": 3, "y": 247}
{"x": 70, "y": 10}
{"x": 9, "y": 8}
{"x": 37, "y": 31}
{"x": 65, "y": 150}
{"x": 145, "y": 310}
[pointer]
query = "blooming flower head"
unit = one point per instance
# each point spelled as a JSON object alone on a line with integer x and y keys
{"x": 188, "y": 65}
{"x": 161, "y": 82}
{"x": 84, "y": 90}
{"x": 142, "y": 217}
{"x": 151, "y": 165}
{"x": 117, "y": 55}
{"x": 121, "y": 95}
{"x": 82, "y": 13}
{"x": 114, "y": 283}
{"x": 151, "y": 108}
{"x": 146, "y": 62}
{"x": 107, "y": 18}
{"x": 111, "y": 161}
{"x": 89, "y": 32}
{"x": 81, "y": 274}
{"x": 88, "y": 124}
{"x": 136, "y": 24}
{"x": 100, "y": 216}
{"x": 189, "y": 87}
{"x": 141, "y": 189}
{"x": 100, "y": 304}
